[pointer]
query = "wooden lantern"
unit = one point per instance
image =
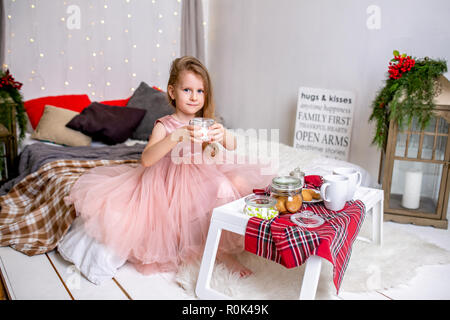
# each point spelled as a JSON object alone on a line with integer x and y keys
{"x": 416, "y": 172}
{"x": 8, "y": 139}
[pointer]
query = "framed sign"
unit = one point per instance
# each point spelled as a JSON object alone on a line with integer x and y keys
{"x": 324, "y": 121}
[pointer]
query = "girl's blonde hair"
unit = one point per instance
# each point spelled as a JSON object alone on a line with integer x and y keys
{"x": 188, "y": 63}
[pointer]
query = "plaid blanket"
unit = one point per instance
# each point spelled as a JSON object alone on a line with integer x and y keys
{"x": 284, "y": 242}
{"x": 33, "y": 215}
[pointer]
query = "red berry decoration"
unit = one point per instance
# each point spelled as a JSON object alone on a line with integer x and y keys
{"x": 400, "y": 65}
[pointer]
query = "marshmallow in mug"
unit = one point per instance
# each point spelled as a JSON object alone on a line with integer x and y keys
{"x": 204, "y": 124}
{"x": 354, "y": 179}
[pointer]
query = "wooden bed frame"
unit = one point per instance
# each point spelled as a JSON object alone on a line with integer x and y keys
{"x": 3, "y": 295}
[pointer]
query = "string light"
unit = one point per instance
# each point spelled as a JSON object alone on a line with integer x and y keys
{"x": 88, "y": 33}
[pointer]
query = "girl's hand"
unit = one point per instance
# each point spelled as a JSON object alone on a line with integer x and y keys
{"x": 187, "y": 133}
{"x": 195, "y": 133}
{"x": 216, "y": 132}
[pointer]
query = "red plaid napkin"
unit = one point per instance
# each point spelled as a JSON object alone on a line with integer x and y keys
{"x": 313, "y": 182}
{"x": 284, "y": 242}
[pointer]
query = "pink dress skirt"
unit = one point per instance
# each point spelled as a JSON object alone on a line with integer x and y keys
{"x": 158, "y": 217}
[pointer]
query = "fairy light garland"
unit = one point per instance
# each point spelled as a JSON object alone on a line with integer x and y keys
{"x": 88, "y": 52}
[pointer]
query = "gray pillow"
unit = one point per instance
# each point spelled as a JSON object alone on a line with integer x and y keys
{"x": 155, "y": 103}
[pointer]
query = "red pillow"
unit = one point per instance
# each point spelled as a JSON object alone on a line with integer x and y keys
{"x": 117, "y": 103}
{"x": 35, "y": 107}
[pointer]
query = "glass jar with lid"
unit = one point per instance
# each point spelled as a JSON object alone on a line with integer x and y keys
{"x": 261, "y": 206}
{"x": 288, "y": 192}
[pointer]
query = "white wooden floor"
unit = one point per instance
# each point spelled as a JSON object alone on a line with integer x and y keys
{"x": 50, "y": 277}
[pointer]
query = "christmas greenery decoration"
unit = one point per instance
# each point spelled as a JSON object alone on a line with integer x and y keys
{"x": 408, "y": 93}
{"x": 11, "y": 88}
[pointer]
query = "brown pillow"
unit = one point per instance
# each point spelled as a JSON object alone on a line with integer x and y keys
{"x": 52, "y": 128}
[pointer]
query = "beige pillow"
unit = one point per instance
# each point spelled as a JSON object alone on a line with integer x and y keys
{"x": 52, "y": 127}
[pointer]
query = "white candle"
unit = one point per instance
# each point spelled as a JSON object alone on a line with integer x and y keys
{"x": 413, "y": 184}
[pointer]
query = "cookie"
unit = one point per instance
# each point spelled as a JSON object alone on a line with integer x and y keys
{"x": 281, "y": 204}
{"x": 294, "y": 204}
{"x": 307, "y": 196}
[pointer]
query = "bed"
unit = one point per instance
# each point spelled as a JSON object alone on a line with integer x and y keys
{"x": 40, "y": 259}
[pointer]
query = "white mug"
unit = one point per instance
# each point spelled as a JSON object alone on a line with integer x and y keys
{"x": 334, "y": 191}
{"x": 354, "y": 177}
{"x": 204, "y": 124}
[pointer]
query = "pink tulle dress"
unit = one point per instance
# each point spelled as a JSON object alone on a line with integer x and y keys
{"x": 158, "y": 217}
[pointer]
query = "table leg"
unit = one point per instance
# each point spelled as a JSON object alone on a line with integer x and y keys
{"x": 311, "y": 278}
{"x": 377, "y": 223}
{"x": 203, "y": 289}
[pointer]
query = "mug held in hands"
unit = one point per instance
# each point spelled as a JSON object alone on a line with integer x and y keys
{"x": 204, "y": 124}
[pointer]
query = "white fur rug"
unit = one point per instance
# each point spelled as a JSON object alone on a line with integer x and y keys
{"x": 370, "y": 268}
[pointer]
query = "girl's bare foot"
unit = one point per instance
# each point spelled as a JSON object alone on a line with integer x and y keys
{"x": 234, "y": 265}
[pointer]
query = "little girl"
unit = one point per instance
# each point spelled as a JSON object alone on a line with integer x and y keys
{"x": 156, "y": 214}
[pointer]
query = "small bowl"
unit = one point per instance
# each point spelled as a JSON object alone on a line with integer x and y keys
{"x": 261, "y": 206}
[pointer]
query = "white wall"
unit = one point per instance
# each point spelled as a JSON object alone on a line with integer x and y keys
{"x": 261, "y": 51}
